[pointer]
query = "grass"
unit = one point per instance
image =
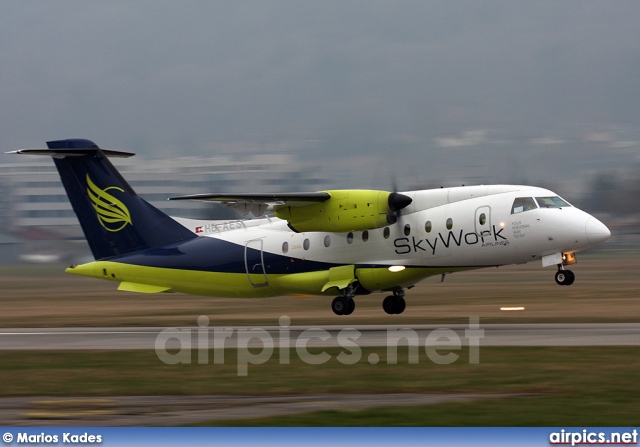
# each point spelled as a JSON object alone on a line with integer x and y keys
{"x": 565, "y": 385}
{"x": 534, "y": 411}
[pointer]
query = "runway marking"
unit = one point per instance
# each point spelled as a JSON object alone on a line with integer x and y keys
{"x": 553, "y": 334}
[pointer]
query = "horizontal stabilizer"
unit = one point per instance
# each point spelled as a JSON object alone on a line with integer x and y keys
{"x": 71, "y": 152}
{"x": 74, "y": 147}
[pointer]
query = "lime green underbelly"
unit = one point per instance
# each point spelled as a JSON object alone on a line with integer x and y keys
{"x": 154, "y": 279}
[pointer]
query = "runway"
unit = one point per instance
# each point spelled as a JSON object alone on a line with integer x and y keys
{"x": 210, "y": 337}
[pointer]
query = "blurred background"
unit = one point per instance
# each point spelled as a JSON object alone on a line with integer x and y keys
{"x": 301, "y": 96}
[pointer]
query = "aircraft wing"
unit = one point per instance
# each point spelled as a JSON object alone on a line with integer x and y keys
{"x": 335, "y": 211}
{"x": 288, "y": 199}
{"x": 259, "y": 203}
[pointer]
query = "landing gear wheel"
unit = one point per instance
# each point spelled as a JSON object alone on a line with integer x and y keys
{"x": 394, "y": 305}
{"x": 570, "y": 277}
{"x": 565, "y": 277}
{"x": 339, "y": 305}
{"x": 401, "y": 305}
{"x": 342, "y": 305}
{"x": 389, "y": 304}
{"x": 351, "y": 306}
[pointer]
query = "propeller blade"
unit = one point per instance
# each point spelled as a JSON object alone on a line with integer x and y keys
{"x": 398, "y": 201}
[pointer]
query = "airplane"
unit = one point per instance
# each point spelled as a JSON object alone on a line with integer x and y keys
{"x": 340, "y": 243}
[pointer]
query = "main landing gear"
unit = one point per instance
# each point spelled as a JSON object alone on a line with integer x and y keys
{"x": 394, "y": 304}
{"x": 345, "y": 304}
{"x": 564, "y": 277}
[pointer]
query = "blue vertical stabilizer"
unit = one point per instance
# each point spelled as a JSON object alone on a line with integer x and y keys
{"x": 114, "y": 219}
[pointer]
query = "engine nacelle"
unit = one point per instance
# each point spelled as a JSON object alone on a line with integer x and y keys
{"x": 346, "y": 210}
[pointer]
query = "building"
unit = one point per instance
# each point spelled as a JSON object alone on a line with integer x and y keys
{"x": 32, "y": 195}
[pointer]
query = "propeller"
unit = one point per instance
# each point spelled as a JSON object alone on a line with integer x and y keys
{"x": 397, "y": 202}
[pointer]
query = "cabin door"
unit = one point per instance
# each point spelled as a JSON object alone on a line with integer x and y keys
{"x": 254, "y": 263}
{"x": 483, "y": 221}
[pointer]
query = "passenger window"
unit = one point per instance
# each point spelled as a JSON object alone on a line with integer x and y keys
{"x": 449, "y": 223}
{"x": 386, "y": 232}
{"x": 428, "y": 226}
{"x": 551, "y": 202}
{"x": 306, "y": 244}
{"x": 327, "y": 241}
{"x": 350, "y": 238}
{"x": 407, "y": 230}
{"x": 522, "y": 204}
{"x": 285, "y": 247}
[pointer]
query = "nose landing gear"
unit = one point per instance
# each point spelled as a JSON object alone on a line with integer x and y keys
{"x": 564, "y": 277}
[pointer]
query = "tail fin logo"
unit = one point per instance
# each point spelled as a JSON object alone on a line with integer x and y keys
{"x": 112, "y": 214}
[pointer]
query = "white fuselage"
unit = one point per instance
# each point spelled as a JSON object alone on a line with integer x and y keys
{"x": 448, "y": 228}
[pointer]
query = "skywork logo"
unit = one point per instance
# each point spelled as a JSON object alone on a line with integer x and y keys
{"x": 404, "y": 245}
{"x": 112, "y": 214}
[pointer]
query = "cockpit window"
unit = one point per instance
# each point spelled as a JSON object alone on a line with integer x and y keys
{"x": 522, "y": 204}
{"x": 551, "y": 202}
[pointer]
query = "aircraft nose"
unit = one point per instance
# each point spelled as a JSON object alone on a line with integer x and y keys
{"x": 597, "y": 232}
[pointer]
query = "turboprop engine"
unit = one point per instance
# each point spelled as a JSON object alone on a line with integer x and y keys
{"x": 346, "y": 210}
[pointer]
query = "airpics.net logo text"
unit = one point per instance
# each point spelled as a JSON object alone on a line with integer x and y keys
{"x": 257, "y": 346}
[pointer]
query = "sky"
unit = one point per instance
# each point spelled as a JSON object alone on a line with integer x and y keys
{"x": 415, "y": 93}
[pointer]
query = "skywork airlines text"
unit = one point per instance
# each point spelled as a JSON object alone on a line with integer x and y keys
{"x": 405, "y": 245}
